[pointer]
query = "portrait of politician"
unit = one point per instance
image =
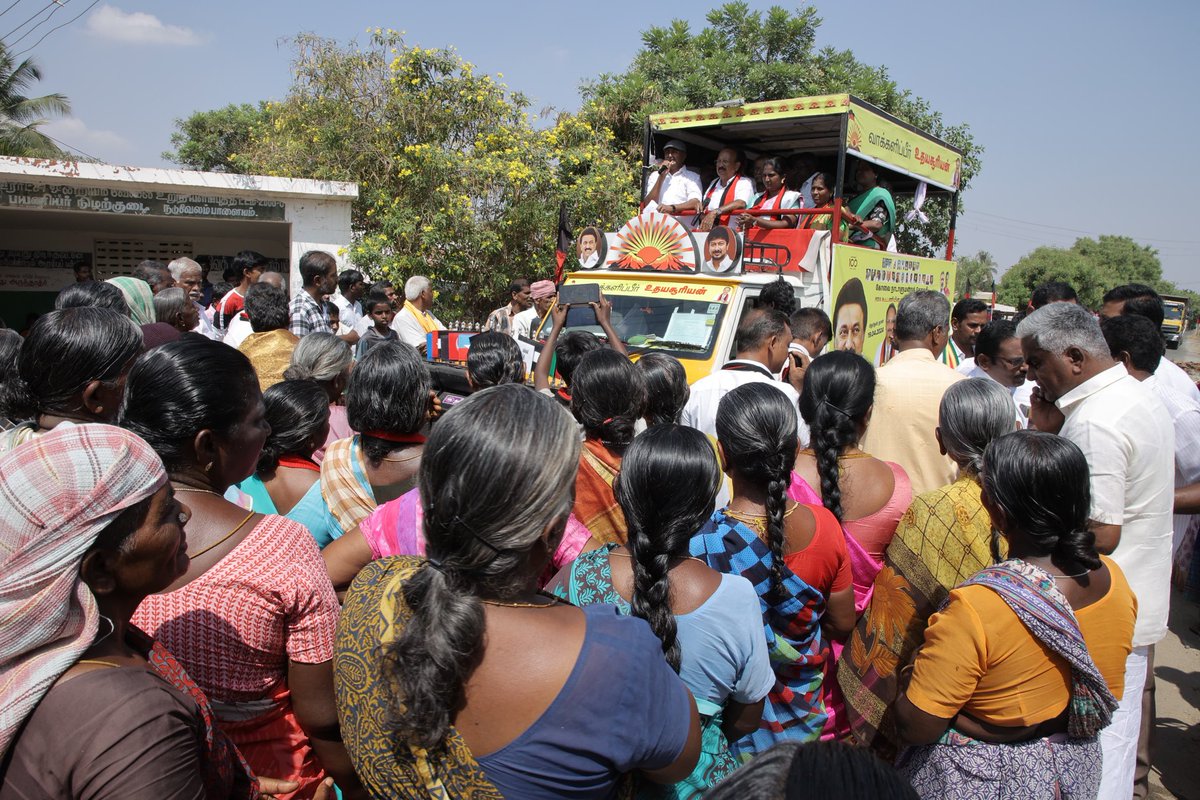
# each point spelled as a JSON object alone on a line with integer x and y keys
{"x": 850, "y": 317}
{"x": 720, "y": 249}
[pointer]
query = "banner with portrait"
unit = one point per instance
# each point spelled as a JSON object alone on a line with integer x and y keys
{"x": 867, "y": 286}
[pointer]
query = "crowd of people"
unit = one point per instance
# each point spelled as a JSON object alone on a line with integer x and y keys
{"x": 268, "y": 561}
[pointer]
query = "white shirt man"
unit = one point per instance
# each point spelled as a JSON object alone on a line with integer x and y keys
{"x": 411, "y": 321}
{"x": 679, "y": 185}
{"x": 351, "y": 313}
{"x": 677, "y": 188}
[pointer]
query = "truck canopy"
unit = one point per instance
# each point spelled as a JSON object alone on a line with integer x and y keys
{"x": 825, "y": 125}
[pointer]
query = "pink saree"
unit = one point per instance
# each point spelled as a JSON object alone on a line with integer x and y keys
{"x": 863, "y": 568}
{"x": 396, "y": 528}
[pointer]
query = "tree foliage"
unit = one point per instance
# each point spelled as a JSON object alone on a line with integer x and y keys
{"x": 978, "y": 272}
{"x": 454, "y": 180}
{"x": 759, "y": 56}
{"x": 1091, "y": 266}
{"x": 21, "y": 116}
{"x": 211, "y": 140}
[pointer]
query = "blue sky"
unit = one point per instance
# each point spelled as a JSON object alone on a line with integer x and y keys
{"x": 1087, "y": 111}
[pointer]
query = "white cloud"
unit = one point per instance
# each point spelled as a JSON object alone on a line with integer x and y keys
{"x": 73, "y": 133}
{"x": 138, "y": 27}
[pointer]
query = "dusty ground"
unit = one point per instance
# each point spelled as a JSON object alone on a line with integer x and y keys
{"x": 1176, "y": 743}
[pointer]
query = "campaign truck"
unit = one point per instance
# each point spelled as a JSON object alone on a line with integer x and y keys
{"x": 678, "y": 288}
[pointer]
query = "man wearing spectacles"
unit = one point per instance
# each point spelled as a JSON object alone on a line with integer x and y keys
{"x": 998, "y": 356}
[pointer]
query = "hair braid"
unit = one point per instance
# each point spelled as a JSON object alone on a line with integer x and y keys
{"x": 652, "y": 589}
{"x": 776, "y": 503}
{"x": 434, "y": 656}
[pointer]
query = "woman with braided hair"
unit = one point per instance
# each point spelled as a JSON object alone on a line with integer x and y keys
{"x": 754, "y": 537}
{"x": 458, "y": 678}
{"x": 867, "y": 495}
{"x": 708, "y": 623}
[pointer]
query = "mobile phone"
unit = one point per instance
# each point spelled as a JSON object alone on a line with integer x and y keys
{"x": 579, "y": 294}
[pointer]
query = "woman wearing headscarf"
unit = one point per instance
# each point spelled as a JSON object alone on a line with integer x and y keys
{"x": 941, "y": 540}
{"x": 138, "y": 296}
{"x": 70, "y": 369}
{"x": 1021, "y": 667}
{"x": 89, "y": 526}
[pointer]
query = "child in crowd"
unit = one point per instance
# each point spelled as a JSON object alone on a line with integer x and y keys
{"x": 381, "y": 314}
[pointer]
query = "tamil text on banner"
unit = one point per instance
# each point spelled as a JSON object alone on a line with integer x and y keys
{"x": 886, "y": 141}
{"x": 867, "y": 287}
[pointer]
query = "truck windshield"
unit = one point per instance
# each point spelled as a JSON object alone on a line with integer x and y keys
{"x": 1173, "y": 312}
{"x": 685, "y": 328}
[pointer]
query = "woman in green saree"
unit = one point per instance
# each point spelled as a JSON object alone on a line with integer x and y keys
{"x": 874, "y": 207}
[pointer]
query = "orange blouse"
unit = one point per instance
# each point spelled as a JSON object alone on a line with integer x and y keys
{"x": 979, "y": 658}
{"x": 824, "y": 563}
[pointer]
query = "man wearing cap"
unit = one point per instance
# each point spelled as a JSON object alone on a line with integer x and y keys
{"x": 676, "y": 189}
{"x": 529, "y": 323}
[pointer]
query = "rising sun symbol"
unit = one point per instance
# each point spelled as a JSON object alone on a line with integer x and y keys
{"x": 654, "y": 241}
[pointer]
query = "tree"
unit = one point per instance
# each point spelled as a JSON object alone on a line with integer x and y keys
{"x": 212, "y": 140}
{"x": 763, "y": 56}
{"x": 454, "y": 181}
{"x": 21, "y": 116}
{"x": 978, "y": 272}
{"x": 1091, "y": 266}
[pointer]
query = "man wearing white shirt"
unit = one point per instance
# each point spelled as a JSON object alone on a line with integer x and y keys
{"x": 1129, "y": 442}
{"x": 675, "y": 189}
{"x": 762, "y": 351}
{"x": 415, "y": 320}
{"x": 189, "y": 276}
{"x": 1136, "y": 343}
{"x": 1142, "y": 300}
{"x": 731, "y": 191}
{"x": 998, "y": 357}
{"x": 348, "y": 298}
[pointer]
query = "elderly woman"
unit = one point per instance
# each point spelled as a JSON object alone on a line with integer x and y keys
{"x": 1021, "y": 666}
{"x": 253, "y": 618}
{"x": 943, "y": 538}
{"x": 71, "y": 369}
{"x": 173, "y": 307}
{"x": 326, "y": 359}
{"x": 84, "y": 540}
{"x": 562, "y": 702}
{"x": 138, "y": 296}
{"x": 388, "y": 400}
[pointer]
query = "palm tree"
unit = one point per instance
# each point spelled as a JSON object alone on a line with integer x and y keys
{"x": 21, "y": 116}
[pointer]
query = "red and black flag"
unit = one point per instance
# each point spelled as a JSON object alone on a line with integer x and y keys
{"x": 563, "y": 247}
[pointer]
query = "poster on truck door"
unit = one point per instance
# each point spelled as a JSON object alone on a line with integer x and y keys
{"x": 866, "y": 288}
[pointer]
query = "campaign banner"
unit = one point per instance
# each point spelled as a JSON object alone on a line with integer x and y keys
{"x": 650, "y": 242}
{"x": 893, "y": 144}
{"x": 866, "y": 288}
{"x": 709, "y": 292}
{"x": 796, "y": 107}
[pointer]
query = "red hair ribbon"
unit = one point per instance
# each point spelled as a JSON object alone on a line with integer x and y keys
{"x": 398, "y": 438}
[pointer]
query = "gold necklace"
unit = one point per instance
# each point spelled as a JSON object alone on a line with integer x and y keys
{"x": 198, "y": 491}
{"x": 223, "y": 539}
{"x": 553, "y": 602}
{"x": 686, "y": 558}
{"x": 757, "y": 521}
